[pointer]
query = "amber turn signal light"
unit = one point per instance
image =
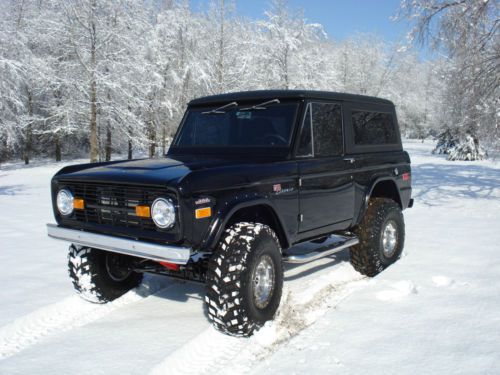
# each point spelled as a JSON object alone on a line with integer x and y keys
{"x": 142, "y": 211}
{"x": 200, "y": 213}
{"x": 78, "y": 204}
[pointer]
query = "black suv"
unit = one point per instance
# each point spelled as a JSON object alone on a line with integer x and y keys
{"x": 248, "y": 176}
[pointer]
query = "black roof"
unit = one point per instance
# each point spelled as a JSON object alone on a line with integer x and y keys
{"x": 286, "y": 94}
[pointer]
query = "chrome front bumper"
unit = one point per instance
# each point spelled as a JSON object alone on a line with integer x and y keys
{"x": 141, "y": 249}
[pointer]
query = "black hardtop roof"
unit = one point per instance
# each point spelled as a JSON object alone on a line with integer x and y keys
{"x": 286, "y": 94}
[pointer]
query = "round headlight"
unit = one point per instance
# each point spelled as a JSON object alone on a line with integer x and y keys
{"x": 163, "y": 212}
{"x": 65, "y": 202}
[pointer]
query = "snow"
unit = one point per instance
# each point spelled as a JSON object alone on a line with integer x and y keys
{"x": 435, "y": 311}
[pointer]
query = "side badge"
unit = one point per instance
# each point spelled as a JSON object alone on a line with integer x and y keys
{"x": 202, "y": 201}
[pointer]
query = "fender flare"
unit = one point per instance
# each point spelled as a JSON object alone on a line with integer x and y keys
{"x": 373, "y": 184}
{"x": 218, "y": 225}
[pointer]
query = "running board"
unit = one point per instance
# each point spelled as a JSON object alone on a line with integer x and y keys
{"x": 328, "y": 250}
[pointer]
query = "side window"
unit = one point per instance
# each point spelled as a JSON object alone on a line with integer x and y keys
{"x": 373, "y": 128}
{"x": 327, "y": 129}
{"x": 305, "y": 142}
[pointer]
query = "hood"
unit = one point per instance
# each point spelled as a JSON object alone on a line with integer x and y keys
{"x": 160, "y": 172}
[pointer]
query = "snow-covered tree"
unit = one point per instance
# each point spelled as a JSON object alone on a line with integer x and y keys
{"x": 468, "y": 33}
{"x": 286, "y": 33}
{"x": 104, "y": 37}
{"x": 174, "y": 70}
{"x": 103, "y": 76}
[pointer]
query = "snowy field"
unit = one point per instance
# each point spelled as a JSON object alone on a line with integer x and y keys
{"x": 436, "y": 311}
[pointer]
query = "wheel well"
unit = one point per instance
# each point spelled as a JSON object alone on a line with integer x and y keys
{"x": 386, "y": 189}
{"x": 260, "y": 214}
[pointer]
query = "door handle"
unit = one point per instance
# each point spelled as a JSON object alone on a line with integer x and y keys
{"x": 350, "y": 160}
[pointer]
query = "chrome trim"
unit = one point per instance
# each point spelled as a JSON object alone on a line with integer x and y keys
{"x": 389, "y": 238}
{"x": 68, "y": 192}
{"x": 169, "y": 201}
{"x": 263, "y": 282}
{"x": 309, "y": 257}
{"x": 141, "y": 249}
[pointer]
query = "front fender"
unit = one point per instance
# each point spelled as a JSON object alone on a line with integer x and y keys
{"x": 226, "y": 210}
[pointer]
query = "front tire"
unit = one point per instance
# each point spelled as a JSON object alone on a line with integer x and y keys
{"x": 381, "y": 236}
{"x": 244, "y": 279}
{"x": 100, "y": 276}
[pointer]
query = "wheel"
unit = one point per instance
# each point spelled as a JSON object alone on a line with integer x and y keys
{"x": 381, "y": 236}
{"x": 100, "y": 276}
{"x": 244, "y": 279}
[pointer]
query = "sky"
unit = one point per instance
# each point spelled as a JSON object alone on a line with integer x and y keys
{"x": 340, "y": 18}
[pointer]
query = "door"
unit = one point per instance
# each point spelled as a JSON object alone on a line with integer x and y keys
{"x": 326, "y": 188}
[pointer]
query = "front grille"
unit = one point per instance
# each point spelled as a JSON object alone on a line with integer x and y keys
{"x": 114, "y": 204}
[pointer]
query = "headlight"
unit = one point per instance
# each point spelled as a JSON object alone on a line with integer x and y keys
{"x": 163, "y": 213}
{"x": 65, "y": 202}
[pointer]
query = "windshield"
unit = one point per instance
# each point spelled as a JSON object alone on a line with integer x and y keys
{"x": 238, "y": 126}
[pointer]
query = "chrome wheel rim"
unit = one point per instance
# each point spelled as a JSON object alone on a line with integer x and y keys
{"x": 389, "y": 238}
{"x": 115, "y": 268}
{"x": 263, "y": 281}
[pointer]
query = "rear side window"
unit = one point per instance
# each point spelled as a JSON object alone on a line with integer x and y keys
{"x": 373, "y": 128}
{"x": 321, "y": 133}
{"x": 327, "y": 129}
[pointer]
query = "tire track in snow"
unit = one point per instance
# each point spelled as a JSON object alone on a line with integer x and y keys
{"x": 65, "y": 315}
{"x": 212, "y": 352}
{"x": 208, "y": 350}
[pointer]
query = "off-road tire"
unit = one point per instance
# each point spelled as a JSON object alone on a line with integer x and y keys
{"x": 229, "y": 299}
{"x": 368, "y": 256}
{"x": 91, "y": 279}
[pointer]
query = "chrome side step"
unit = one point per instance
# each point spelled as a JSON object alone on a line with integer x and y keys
{"x": 322, "y": 252}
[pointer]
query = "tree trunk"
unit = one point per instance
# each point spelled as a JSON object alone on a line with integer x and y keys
{"x": 285, "y": 70}
{"x": 220, "y": 61}
{"x": 94, "y": 146}
{"x": 108, "y": 142}
{"x": 129, "y": 156}
{"x": 152, "y": 133}
{"x": 57, "y": 143}
{"x": 27, "y": 145}
{"x": 29, "y": 133}
{"x": 152, "y": 143}
{"x": 164, "y": 141}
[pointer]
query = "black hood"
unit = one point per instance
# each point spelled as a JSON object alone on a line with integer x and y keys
{"x": 160, "y": 172}
{"x": 169, "y": 171}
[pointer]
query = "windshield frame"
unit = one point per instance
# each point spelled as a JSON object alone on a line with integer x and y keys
{"x": 254, "y": 150}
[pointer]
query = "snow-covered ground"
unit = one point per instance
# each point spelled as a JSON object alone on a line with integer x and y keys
{"x": 436, "y": 311}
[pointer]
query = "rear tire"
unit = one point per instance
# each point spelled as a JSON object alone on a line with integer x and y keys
{"x": 381, "y": 236}
{"x": 100, "y": 276}
{"x": 244, "y": 279}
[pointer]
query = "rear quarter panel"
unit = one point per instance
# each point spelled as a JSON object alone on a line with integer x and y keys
{"x": 376, "y": 163}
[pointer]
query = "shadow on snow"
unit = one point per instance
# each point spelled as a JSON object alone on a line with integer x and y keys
{"x": 12, "y": 189}
{"x": 436, "y": 183}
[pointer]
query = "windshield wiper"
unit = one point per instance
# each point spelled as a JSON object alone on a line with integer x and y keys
{"x": 218, "y": 111}
{"x": 261, "y": 105}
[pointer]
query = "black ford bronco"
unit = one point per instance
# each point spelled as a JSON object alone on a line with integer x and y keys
{"x": 248, "y": 176}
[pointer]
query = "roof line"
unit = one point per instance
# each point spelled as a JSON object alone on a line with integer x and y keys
{"x": 286, "y": 94}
